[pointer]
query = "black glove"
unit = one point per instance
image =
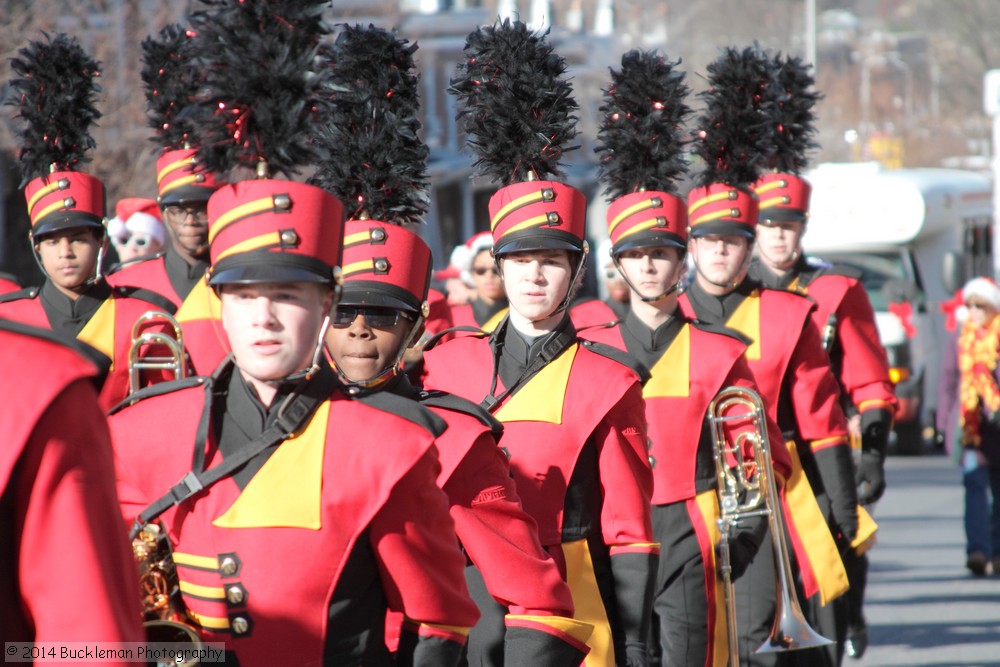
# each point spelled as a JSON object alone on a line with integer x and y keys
{"x": 836, "y": 473}
{"x": 870, "y": 473}
{"x": 742, "y": 550}
{"x": 635, "y": 654}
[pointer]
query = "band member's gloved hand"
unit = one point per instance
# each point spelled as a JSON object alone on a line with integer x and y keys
{"x": 836, "y": 472}
{"x": 742, "y": 550}
{"x": 870, "y": 473}
{"x": 635, "y": 654}
{"x": 744, "y": 543}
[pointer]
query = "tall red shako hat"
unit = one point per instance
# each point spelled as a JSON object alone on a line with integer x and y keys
{"x": 256, "y": 110}
{"x": 641, "y": 144}
{"x": 56, "y": 87}
{"x": 518, "y": 110}
{"x": 375, "y": 162}
{"x": 783, "y": 193}
{"x": 171, "y": 79}
{"x": 733, "y": 141}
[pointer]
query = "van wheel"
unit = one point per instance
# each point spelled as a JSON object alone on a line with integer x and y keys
{"x": 910, "y": 438}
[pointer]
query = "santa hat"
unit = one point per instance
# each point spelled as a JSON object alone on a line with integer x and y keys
{"x": 462, "y": 257}
{"x": 138, "y": 215}
{"x": 984, "y": 289}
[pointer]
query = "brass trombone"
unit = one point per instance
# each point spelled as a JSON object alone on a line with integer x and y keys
{"x": 175, "y": 361}
{"x": 747, "y": 490}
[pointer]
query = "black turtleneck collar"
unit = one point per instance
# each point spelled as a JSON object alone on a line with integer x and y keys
{"x": 645, "y": 344}
{"x": 482, "y": 311}
{"x": 240, "y": 416}
{"x": 713, "y": 309}
{"x": 68, "y": 316}
{"x": 515, "y": 353}
{"x": 183, "y": 276}
{"x": 768, "y": 278}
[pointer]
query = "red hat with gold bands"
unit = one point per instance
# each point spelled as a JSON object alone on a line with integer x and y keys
{"x": 63, "y": 200}
{"x": 179, "y": 180}
{"x": 536, "y": 215}
{"x": 643, "y": 219}
{"x": 783, "y": 198}
{"x": 272, "y": 230}
{"x": 721, "y": 209}
{"x": 385, "y": 265}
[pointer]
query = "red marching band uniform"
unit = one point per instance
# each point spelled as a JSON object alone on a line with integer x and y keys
{"x": 323, "y": 506}
{"x": 289, "y": 552}
{"x": 697, "y": 364}
{"x": 566, "y": 441}
{"x": 180, "y": 181}
{"x": 388, "y": 266}
{"x": 800, "y": 393}
{"x": 58, "y": 489}
{"x": 63, "y": 201}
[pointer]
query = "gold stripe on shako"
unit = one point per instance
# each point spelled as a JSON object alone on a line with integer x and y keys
{"x": 278, "y": 203}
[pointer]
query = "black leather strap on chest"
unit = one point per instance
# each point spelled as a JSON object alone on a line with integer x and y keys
{"x": 296, "y": 411}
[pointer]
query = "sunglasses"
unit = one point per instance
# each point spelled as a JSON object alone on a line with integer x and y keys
{"x": 483, "y": 270}
{"x": 976, "y": 304}
{"x": 377, "y": 318}
{"x": 182, "y": 212}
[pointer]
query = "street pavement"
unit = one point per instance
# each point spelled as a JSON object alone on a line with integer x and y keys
{"x": 923, "y": 607}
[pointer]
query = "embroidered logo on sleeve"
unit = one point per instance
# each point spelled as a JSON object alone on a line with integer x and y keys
{"x": 490, "y": 495}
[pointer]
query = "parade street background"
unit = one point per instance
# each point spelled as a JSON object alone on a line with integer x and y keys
{"x": 923, "y": 607}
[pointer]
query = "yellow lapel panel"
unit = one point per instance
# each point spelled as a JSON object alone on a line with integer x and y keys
{"x": 492, "y": 323}
{"x": 671, "y": 375}
{"x": 200, "y": 304}
{"x": 99, "y": 332}
{"x": 541, "y": 399}
{"x": 285, "y": 492}
{"x": 746, "y": 320}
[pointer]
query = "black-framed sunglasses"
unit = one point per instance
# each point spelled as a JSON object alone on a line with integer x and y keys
{"x": 198, "y": 214}
{"x": 483, "y": 270}
{"x": 375, "y": 317}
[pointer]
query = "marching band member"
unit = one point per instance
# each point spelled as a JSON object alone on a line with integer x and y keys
{"x": 690, "y": 362}
{"x": 290, "y": 533}
{"x": 573, "y": 417}
{"x": 57, "y": 494}
{"x": 183, "y": 189}
{"x": 382, "y": 312}
{"x": 67, "y": 213}
{"x": 843, "y": 314}
{"x": 786, "y": 355}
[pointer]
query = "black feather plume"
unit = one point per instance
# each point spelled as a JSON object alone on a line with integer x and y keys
{"x": 371, "y": 155}
{"x": 641, "y": 137}
{"x": 170, "y": 80}
{"x": 793, "y": 135}
{"x": 735, "y": 138}
{"x": 260, "y": 90}
{"x": 56, "y": 95}
{"x": 516, "y": 107}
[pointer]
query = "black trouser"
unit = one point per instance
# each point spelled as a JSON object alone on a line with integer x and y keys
{"x": 755, "y": 607}
{"x": 485, "y": 645}
{"x": 680, "y": 609}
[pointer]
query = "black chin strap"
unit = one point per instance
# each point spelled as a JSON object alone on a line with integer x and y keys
{"x": 389, "y": 372}
{"x": 645, "y": 299}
